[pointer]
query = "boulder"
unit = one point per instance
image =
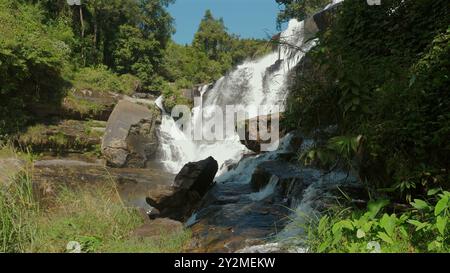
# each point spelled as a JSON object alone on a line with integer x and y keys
{"x": 253, "y": 139}
{"x": 197, "y": 176}
{"x": 179, "y": 200}
{"x": 130, "y": 138}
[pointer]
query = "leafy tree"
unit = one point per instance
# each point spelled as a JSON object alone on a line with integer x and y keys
{"x": 212, "y": 38}
{"x": 31, "y": 60}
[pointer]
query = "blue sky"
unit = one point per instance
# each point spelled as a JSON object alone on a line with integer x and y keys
{"x": 247, "y": 18}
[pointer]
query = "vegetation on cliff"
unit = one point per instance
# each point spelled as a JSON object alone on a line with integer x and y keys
{"x": 375, "y": 93}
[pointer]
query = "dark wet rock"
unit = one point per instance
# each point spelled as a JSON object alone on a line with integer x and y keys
{"x": 253, "y": 139}
{"x": 324, "y": 18}
{"x": 157, "y": 228}
{"x": 320, "y": 21}
{"x": 274, "y": 67}
{"x": 283, "y": 171}
{"x": 197, "y": 176}
{"x": 62, "y": 136}
{"x": 131, "y": 138}
{"x": 179, "y": 200}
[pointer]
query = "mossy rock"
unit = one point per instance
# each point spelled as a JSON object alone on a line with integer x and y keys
{"x": 64, "y": 136}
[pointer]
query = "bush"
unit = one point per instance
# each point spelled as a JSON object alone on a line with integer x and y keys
{"x": 372, "y": 76}
{"x": 422, "y": 228}
{"x": 31, "y": 59}
{"x": 103, "y": 80}
{"x": 173, "y": 95}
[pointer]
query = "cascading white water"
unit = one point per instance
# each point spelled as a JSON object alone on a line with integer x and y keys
{"x": 255, "y": 82}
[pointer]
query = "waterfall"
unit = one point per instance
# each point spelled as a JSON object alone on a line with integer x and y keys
{"x": 253, "y": 83}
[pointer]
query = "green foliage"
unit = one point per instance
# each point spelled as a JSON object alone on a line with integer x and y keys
{"x": 96, "y": 218}
{"x": 173, "y": 95}
{"x": 424, "y": 228}
{"x": 103, "y": 80}
{"x": 212, "y": 38}
{"x": 136, "y": 54}
{"x": 17, "y": 204}
{"x": 338, "y": 149}
{"x": 371, "y": 75}
{"x": 188, "y": 64}
{"x": 31, "y": 57}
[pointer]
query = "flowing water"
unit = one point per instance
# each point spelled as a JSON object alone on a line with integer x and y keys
{"x": 255, "y": 82}
{"x": 232, "y": 213}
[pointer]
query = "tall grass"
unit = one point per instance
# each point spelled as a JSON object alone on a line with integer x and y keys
{"x": 17, "y": 209}
{"x": 92, "y": 215}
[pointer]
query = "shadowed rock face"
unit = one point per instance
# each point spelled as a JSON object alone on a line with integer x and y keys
{"x": 179, "y": 200}
{"x": 130, "y": 139}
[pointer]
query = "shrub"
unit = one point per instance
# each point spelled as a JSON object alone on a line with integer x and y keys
{"x": 421, "y": 228}
{"x": 31, "y": 58}
{"x": 370, "y": 75}
{"x": 102, "y": 79}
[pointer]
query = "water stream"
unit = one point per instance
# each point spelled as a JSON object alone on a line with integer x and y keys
{"x": 233, "y": 215}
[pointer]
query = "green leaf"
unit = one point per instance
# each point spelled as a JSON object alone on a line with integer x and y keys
{"x": 322, "y": 224}
{"x": 323, "y": 246}
{"x": 336, "y": 228}
{"x": 420, "y": 204}
{"x": 374, "y": 207}
{"x": 388, "y": 223}
{"x": 433, "y": 191}
{"x": 441, "y": 223}
{"x": 417, "y": 224}
{"x": 383, "y": 236}
{"x": 441, "y": 205}
{"x": 403, "y": 231}
{"x": 337, "y": 237}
